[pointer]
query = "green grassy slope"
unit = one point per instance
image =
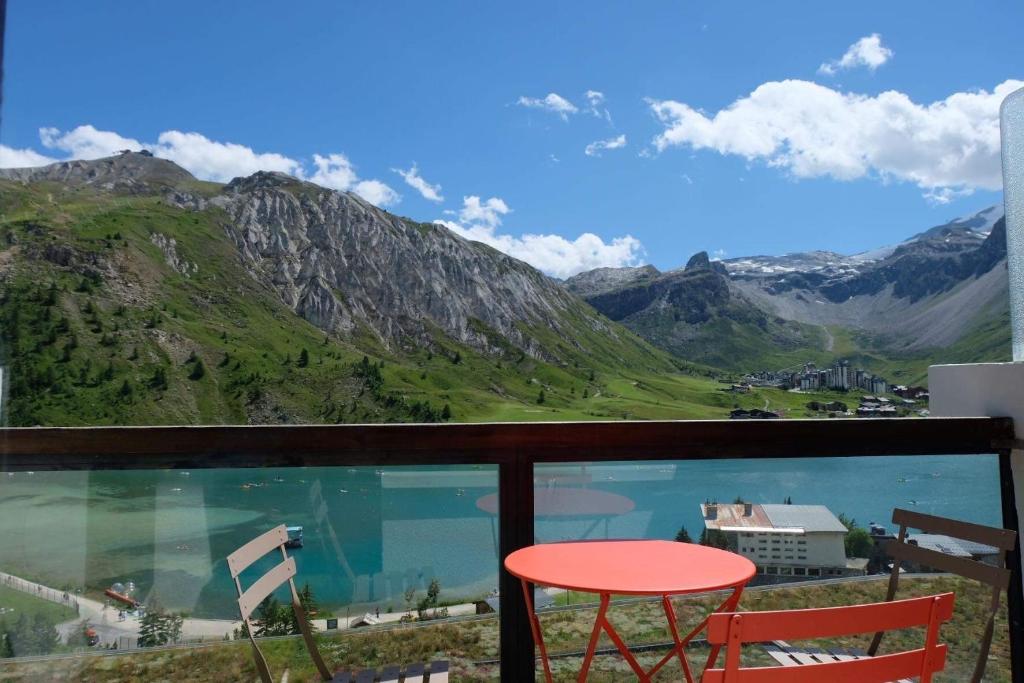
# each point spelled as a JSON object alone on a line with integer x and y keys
{"x": 97, "y": 328}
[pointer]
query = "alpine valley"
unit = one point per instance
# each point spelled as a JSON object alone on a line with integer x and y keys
{"x": 133, "y": 293}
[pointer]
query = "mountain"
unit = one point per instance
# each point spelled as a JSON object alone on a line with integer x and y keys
{"x": 695, "y": 312}
{"x": 131, "y": 292}
{"x": 941, "y": 294}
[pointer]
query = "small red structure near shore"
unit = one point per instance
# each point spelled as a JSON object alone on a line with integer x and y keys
{"x": 121, "y": 597}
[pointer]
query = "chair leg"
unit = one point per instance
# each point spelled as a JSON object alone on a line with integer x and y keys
{"x": 986, "y": 643}
{"x": 261, "y": 662}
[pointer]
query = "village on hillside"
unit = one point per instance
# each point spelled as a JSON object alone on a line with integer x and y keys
{"x": 902, "y": 400}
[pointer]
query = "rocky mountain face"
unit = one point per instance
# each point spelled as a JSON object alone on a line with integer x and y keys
{"x": 342, "y": 264}
{"x": 694, "y": 312}
{"x": 926, "y": 292}
{"x": 348, "y": 267}
{"x": 136, "y": 173}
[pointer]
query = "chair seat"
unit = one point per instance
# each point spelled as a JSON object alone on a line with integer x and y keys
{"x": 787, "y": 655}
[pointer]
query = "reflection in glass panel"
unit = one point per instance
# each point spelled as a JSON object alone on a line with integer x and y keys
{"x": 368, "y": 535}
{"x": 658, "y": 499}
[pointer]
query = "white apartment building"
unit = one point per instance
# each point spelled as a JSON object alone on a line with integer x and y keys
{"x": 785, "y": 540}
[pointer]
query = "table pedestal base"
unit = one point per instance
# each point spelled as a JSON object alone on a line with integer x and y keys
{"x": 602, "y": 623}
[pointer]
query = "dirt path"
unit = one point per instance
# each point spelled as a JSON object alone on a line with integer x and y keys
{"x": 107, "y": 620}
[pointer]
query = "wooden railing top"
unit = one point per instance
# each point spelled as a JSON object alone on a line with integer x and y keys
{"x": 55, "y": 448}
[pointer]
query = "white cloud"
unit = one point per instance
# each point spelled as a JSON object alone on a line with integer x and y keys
{"x": 22, "y": 158}
{"x": 219, "y": 161}
{"x": 552, "y": 102}
{"x": 488, "y": 213}
{"x": 595, "y": 148}
{"x": 376, "y": 192}
{"x": 867, "y": 52}
{"x": 813, "y": 131}
{"x": 334, "y": 171}
{"x": 204, "y": 158}
{"x": 85, "y": 142}
{"x": 595, "y": 100}
{"x": 413, "y": 178}
{"x": 718, "y": 254}
{"x": 552, "y": 254}
{"x": 337, "y": 172}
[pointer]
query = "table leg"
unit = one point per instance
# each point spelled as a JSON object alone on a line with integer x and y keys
{"x": 538, "y": 637}
{"x": 680, "y": 647}
{"x": 594, "y": 635}
{"x": 642, "y": 676}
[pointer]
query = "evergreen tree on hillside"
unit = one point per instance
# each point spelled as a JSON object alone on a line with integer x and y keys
{"x": 44, "y": 634}
{"x": 198, "y": 370}
{"x": 303, "y": 358}
{"x": 159, "y": 627}
{"x": 683, "y": 536}
{"x": 5, "y": 643}
{"x": 272, "y": 618}
{"x": 159, "y": 379}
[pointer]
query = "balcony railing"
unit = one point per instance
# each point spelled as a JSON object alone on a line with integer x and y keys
{"x": 515, "y": 450}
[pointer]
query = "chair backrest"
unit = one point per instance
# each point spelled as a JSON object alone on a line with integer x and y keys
{"x": 735, "y": 629}
{"x": 249, "y": 599}
{"x": 995, "y": 576}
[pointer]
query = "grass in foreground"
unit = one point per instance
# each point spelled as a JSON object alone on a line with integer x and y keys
{"x": 464, "y": 643}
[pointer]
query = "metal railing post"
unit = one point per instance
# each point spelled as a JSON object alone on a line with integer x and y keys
{"x": 515, "y": 531}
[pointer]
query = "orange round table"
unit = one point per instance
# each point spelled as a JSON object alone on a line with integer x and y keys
{"x": 663, "y": 568}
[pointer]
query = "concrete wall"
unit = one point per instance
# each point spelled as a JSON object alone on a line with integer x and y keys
{"x": 983, "y": 389}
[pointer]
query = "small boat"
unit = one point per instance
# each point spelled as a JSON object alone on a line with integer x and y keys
{"x": 342, "y": 490}
{"x": 176, "y": 490}
{"x": 294, "y": 537}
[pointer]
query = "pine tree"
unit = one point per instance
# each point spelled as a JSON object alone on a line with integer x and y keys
{"x": 151, "y": 626}
{"x": 5, "y": 642}
{"x": 272, "y": 619}
{"x": 540, "y": 397}
{"x": 198, "y": 370}
{"x": 446, "y": 412}
{"x": 683, "y": 536}
{"x": 303, "y": 358}
{"x": 44, "y": 634}
{"x": 159, "y": 379}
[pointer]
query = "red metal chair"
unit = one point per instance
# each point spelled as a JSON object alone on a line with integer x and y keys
{"x": 736, "y": 629}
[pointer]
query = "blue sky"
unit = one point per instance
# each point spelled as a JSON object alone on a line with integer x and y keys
{"x": 817, "y": 152}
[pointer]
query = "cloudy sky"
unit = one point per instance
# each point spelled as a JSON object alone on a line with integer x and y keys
{"x": 571, "y": 135}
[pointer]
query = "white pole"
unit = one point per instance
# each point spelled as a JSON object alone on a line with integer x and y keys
{"x": 1011, "y": 121}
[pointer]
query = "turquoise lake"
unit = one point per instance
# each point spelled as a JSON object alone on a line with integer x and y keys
{"x": 372, "y": 532}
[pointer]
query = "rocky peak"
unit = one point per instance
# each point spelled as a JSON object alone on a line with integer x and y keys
{"x": 262, "y": 180}
{"x": 701, "y": 261}
{"x": 601, "y": 280}
{"x": 133, "y": 172}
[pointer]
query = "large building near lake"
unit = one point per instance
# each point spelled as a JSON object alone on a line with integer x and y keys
{"x": 785, "y": 540}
